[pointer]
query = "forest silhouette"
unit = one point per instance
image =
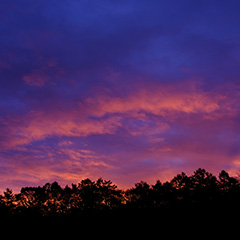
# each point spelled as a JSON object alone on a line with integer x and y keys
{"x": 199, "y": 192}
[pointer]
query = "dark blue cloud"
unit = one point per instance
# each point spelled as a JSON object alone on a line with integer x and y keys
{"x": 152, "y": 37}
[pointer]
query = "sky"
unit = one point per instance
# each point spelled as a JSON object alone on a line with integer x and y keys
{"x": 126, "y": 90}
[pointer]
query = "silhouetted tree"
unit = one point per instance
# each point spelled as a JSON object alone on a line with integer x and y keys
{"x": 54, "y": 198}
{"x": 227, "y": 183}
{"x": 204, "y": 187}
{"x": 140, "y": 196}
{"x": 201, "y": 191}
{"x": 109, "y": 196}
{"x": 229, "y": 188}
{"x": 181, "y": 181}
{"x": 8, "y": 202}
{"x": 98, "y": 195}
{"x": 182, "y": 184}
{"x": 158, "y": 196}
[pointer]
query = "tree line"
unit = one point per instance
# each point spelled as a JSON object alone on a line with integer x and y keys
{"x": 202, "y": 190}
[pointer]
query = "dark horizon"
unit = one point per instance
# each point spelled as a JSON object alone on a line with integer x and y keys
{"x": 152, "y": 183}
{"x": 200, "y": 192}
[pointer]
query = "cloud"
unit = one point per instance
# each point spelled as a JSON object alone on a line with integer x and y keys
{"x": 149, "y": 112}
{"x": 36, "y": 126}
{"x": 149, "y": 133}
{"x": 165, "y": 100}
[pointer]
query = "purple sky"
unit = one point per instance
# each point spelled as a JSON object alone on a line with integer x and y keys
{"x": 125, "y": 90}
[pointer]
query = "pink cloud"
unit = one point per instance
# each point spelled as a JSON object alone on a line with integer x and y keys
{"x": 160, "y": 100}
{"x": 39, "y": 125}
{"x": 149, "y": 112}
{"x": 154, "y": 133}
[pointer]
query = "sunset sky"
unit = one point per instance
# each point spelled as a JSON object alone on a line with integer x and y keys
{"x": 125, "y": 90}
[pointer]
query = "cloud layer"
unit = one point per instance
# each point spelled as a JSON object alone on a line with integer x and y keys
{"x": 150, "y": 133}
{"x": 128, "y": 91}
